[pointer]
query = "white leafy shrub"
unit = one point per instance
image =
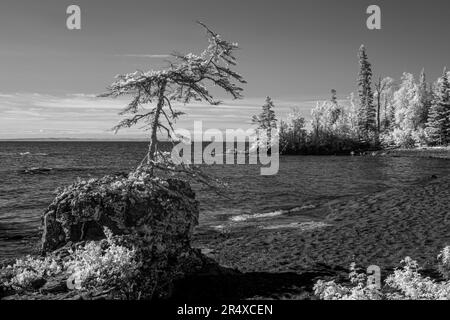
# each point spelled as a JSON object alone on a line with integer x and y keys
{"x": 361, "y": 289}
{"x": 24, "y": 272}
{"x": 106, "y": 264}
{"x": 444, "y": 262}
{"x": 405, "y": 283}
{"x": 410, "y": 284}
{"x": 399, "y": 138}
{"x": 97, "y": 265}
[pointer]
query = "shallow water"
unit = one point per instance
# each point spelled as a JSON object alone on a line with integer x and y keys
{"x": 303, "y": 182}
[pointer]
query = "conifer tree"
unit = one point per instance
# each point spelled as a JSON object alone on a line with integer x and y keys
{"x": 266, "y": 120}
{"x": 333, "y": 96}
{"x": 438, "y": 125}
{"x": 380, "y": 85}
{"x": 367, "y": 112}
{"x": 425, "y": 99}
{"x": 335, "y": 109}
{"x": 187, "y": 78}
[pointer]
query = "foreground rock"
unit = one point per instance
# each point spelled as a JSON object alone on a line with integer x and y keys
{"x": 138, "y": 202}
{"x": 153, "y": 217}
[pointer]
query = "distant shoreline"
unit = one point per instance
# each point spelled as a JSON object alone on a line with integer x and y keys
{"x": 423, "y": 152}
{"x": 75, "y": 140}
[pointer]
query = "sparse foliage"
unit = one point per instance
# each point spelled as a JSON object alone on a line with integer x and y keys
{"x": 406, "y": 283}
{"x": 187, "y": 78}
{"x": 107, "y": 264}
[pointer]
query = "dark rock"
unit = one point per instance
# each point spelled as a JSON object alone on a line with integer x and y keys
{"x": 36, "y": 171}
{"x": 4, "y": 292}
{"x": 55, "y": 285}
{"x": 38, "y": 283}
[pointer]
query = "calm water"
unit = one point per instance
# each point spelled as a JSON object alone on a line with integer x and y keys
{"x": 302, "y": 182}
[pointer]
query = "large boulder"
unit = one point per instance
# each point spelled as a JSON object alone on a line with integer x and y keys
{"x": 156, "y": 215}
{"x": 123, "y": 204}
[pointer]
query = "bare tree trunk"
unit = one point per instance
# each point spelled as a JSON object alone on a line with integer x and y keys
{"x": 151, "y": 155}
{"x": 379, "y": 89}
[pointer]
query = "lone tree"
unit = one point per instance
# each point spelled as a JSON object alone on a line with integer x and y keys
{"x": 438, "y": 125}
{"x": 367, "y": 112}
{"x": 266, "y": 121}
{"x": 186, "y": 78}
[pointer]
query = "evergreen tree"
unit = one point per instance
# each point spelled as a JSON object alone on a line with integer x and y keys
{"x": 384, "y": 92}
{"x": 380, "y": 85}
{"x": 367, "y": 112}
{"x": 266, "y": 120}
{"x": 425, "y": 99}
{"x": 333, "y": 96}
{"x": 438, "y": 125}
{"x": 187, "y": 78}
{"x": 335, "y": 109}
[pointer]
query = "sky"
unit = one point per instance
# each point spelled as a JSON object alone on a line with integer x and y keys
{"x": 295, "y": 51}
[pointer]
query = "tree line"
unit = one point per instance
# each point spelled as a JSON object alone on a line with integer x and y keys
{"x": 385, "y": 113}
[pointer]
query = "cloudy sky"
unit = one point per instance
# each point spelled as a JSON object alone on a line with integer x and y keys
{"x": 295, "y": 51}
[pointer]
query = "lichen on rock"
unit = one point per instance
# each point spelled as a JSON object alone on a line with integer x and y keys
{"x": 155, "y": 216}
{"x": 124, "y": 203}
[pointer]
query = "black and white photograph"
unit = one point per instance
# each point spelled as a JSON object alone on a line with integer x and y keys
{"x": 221, "y": 156}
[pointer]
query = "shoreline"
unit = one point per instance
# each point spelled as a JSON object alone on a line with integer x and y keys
{"x": 380, "y": 228}
{"x": 420, "y": 152}
{"x": 423, "y": 152}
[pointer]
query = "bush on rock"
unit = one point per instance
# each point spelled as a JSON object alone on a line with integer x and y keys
{"x": 136, "y": 202}
{"x": 154, "y": 218}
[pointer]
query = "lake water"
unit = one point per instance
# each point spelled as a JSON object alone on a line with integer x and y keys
{"x": 302, "y": 182}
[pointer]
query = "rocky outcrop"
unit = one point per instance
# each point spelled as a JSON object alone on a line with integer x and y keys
{"x": 156, "y": 216}
{"x": 137, "y": 202}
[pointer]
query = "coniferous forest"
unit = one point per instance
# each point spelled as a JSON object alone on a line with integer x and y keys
{"x": 385, "y": 113}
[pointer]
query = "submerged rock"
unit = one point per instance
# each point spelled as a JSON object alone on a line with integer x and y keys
{"x": 36, "y": 170}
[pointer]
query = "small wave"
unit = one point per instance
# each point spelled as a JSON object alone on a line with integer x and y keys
{"x": 307, "y": 206}
{"x": 33, "y": 154}
{"x": 36, "y": 170}
{"x": 245, "y": 217}
{"x": 304, "y": 226}
{"x": 22, "y": 154}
